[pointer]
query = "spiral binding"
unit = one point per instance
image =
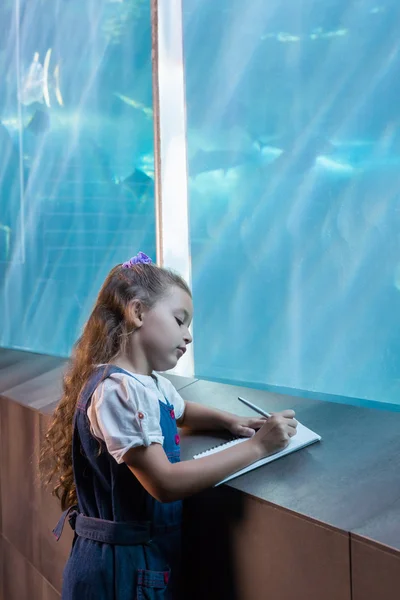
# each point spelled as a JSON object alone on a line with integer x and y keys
{"x": 220, "y": 446}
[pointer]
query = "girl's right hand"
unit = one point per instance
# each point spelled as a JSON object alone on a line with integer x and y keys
{"x": 168, "y": 482}
{"x": 275, "y": 434}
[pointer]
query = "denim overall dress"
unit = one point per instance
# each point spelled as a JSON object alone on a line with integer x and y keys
{"x": 127, "y": 544}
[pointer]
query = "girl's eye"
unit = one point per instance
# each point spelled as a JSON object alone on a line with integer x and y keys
{"x": 179, "y": 321}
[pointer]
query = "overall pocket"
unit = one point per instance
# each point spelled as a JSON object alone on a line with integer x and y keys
{"x": 152, "y": 585}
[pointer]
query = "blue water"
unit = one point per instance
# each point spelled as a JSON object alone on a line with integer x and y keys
{"x": 294, "y": 162}
{"x": 294, "y": 181}
{"x": 77, "y": 176}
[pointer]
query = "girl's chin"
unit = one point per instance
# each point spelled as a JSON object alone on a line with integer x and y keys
{"x": 167, "y": 365}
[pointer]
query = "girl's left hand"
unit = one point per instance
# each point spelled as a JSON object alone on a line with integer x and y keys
{"x": 245, "y": 426}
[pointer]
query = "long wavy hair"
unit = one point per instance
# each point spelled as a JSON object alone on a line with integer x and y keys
{"x": 104, "y": 336}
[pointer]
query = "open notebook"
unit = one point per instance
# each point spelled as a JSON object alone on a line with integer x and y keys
{"x": 304, "y": 437}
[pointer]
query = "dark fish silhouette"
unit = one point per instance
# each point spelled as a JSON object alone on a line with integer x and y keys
{"x": 297, "y": 154}
{"x": 39, "y": 123}
{"x": 215, "y": 160}
{"x": 138, "y": 183}
{"x": 301, "y": 155}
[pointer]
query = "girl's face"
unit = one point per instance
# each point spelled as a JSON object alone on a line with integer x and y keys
{"x": 165, "y": 334}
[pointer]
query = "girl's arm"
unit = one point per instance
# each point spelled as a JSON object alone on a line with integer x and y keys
{"x": 199, "y": 417}
{"x": 168, "y": 482}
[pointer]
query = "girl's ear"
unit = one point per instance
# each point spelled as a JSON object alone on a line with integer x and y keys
{"x": 135, "y": 314}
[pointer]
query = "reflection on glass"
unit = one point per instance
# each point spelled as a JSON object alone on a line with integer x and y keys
{"x": 76, "y": 159}
{"x": 294, "y": 182}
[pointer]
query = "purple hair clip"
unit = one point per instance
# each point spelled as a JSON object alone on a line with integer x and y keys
{"x": 140, "y": 258}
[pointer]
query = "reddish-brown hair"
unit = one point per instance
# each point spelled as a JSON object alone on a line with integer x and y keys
{"x": 104, "y": 336}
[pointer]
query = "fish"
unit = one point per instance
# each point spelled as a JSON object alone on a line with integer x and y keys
{"x": 292, "y": 153}
{"x": 39, "y": 123}
{"x": 300, "y": 153}
{"x": 338, "y": 167}
{"x": 148, "y": 112}
{"x": 261, "y": 154}
{"x": 138, "y": 183}
{"x": 204, "y": 161}
{"x": 37, "y": 82}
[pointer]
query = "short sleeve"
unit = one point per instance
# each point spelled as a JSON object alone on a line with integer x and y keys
{"x": 173, "y": 396}
{"x": 124, "y": 414}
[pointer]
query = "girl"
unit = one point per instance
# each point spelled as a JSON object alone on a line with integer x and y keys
{"x": 113, "y": 444}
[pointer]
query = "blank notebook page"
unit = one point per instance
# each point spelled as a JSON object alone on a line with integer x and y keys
{"x": 304, "y": 437}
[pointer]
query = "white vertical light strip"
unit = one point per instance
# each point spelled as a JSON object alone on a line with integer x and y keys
{"x": 21, "y": 239}
{"x": 173, "y": 244}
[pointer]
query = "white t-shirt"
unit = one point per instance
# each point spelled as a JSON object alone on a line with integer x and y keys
{"x": 125, "y": 411}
